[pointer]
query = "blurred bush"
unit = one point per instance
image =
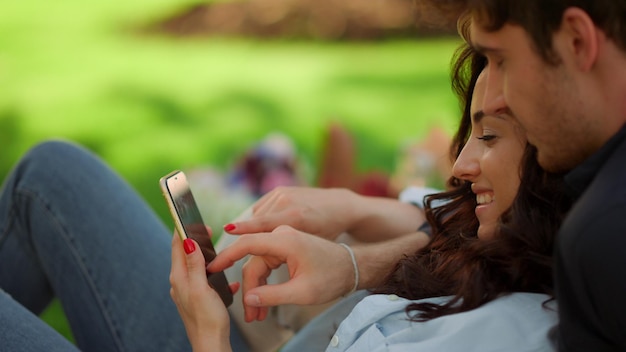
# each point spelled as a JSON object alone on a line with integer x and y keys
{"x": 307, "y": 19}
{"x": 172, "y": 95}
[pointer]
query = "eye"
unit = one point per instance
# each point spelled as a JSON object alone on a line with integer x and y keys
{"x": 487, "y": 137}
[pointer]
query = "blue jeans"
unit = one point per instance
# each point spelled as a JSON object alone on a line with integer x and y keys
{"x": 71, "y": 228}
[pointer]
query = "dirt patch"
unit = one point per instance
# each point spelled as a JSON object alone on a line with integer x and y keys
{"x": 308, "y": 19}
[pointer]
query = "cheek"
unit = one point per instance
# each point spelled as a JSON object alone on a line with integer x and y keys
{"x": 521, "y": 96}
{"x": 525, "y": 95}
{"x": 510, "y": 182}
{"x": 508, "y": 193}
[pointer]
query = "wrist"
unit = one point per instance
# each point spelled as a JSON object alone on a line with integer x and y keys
{"x": 370, "y": 266}
{"x": 351, "y": 208}
{"x": 375, "y": 219}
{"x": 355, "y": 269}
{"x": 360, "y": 210}
{"x": 212, "y": 345}
{"x": 212, "y": 341}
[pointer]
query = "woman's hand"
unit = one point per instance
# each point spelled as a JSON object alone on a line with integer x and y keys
{"x": 319, "y": 270}
{"x": 200, "y": 307}
{"x": 328, "y": 212}
{"x": 322, "y": 212}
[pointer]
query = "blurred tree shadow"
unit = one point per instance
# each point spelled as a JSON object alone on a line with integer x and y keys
{"x": 308, "y": 19}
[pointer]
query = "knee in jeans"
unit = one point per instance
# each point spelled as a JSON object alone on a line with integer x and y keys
{"x": 56, "y": 156}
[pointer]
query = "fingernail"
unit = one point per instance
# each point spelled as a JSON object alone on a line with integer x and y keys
{"x": 253, "y": 300}
{"x": 189, "y": 246}
{"x": 229, "y": 227}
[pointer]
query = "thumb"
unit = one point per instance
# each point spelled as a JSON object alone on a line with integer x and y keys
{"x": 196, "y": 266}
{"x": 274, "y": 295}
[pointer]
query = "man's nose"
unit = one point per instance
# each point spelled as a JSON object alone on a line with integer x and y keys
{"x": 493, "y": 101}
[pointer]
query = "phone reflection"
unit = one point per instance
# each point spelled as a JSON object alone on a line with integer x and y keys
{"x": 193, "y": 224}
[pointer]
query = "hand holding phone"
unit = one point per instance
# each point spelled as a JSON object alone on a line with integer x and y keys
{"x": 189, "y": 224}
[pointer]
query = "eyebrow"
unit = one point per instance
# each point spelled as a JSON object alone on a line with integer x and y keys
{"x": 484, "y": 50}
{"x": 478, "y": 115}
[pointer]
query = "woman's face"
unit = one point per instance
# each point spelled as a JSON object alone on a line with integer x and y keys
{"x": 491, "y": 160}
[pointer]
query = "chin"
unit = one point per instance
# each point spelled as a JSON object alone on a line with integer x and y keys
{"x": 485, "y": 232}
{"x": 556, "y": 164}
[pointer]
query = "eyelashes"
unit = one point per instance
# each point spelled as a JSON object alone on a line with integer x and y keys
{"x": 486, "y": 138}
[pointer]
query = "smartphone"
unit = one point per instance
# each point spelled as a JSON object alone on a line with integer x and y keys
{"x": 189, "y": 224}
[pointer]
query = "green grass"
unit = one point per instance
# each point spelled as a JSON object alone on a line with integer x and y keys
{"x": 150, "y": 104}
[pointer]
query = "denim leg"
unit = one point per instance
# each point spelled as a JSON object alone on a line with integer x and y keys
{"x": 71, "y": 228}
{"x": 21, "y": 330}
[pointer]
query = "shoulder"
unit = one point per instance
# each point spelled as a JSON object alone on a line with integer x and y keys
{"x": 516, "y": 322}
{"x": 518, "y": 317}
{"x": 596, "y": 222}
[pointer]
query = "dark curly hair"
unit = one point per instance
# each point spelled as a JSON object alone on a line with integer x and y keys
{"x": 456, "y": 263}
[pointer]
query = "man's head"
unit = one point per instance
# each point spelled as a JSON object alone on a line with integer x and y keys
{"x": 556, "y": 66}
{"x": 540, "y": 18}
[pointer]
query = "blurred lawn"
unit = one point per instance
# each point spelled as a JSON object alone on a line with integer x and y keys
{"x": 150, "y": 104}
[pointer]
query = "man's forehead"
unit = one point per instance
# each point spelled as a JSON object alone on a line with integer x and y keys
{"x": 479, "y": 38}
{"x": 487, "y": 41}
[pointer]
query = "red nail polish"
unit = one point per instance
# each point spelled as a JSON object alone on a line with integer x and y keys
{"x": 229, "y": 227}
{"x": 189, "y": 246}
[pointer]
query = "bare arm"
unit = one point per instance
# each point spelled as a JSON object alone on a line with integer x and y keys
{"x": 379, "y": 219}
{"x": 376, "y": 260}
{"x": 329, "y": 212}
{"x": 319, "y": 270}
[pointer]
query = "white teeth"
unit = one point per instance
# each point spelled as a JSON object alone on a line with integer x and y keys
{"x": 484, "y": 198}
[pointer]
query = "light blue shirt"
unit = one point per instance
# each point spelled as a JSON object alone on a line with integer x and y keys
{"x": 515, "y": 322}
{"x": 415, "y": 195}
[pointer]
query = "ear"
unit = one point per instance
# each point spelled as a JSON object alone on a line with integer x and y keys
{"x": 582, "y": 37}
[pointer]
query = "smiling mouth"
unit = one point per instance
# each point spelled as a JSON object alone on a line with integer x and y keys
{"x": 484, "y": 198}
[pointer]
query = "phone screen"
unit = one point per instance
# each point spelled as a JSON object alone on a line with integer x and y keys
{"x": 189, "y": 224}
{"x": 192, "y": 223}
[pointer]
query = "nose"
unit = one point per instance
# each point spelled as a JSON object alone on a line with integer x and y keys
{"x": 466, "y": 167}
{"x": 493, "y": 102}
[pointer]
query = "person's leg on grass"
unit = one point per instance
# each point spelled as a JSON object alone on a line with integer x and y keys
{"x": 70, "y": 227}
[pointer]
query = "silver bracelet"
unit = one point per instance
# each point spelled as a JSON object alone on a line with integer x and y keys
{"x": 356, "y": 268}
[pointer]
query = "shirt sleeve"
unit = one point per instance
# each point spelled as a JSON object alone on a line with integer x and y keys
{"x": 416, "y": 195}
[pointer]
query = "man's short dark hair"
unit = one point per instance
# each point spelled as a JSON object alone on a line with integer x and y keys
{"x": 540, "y": 18}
